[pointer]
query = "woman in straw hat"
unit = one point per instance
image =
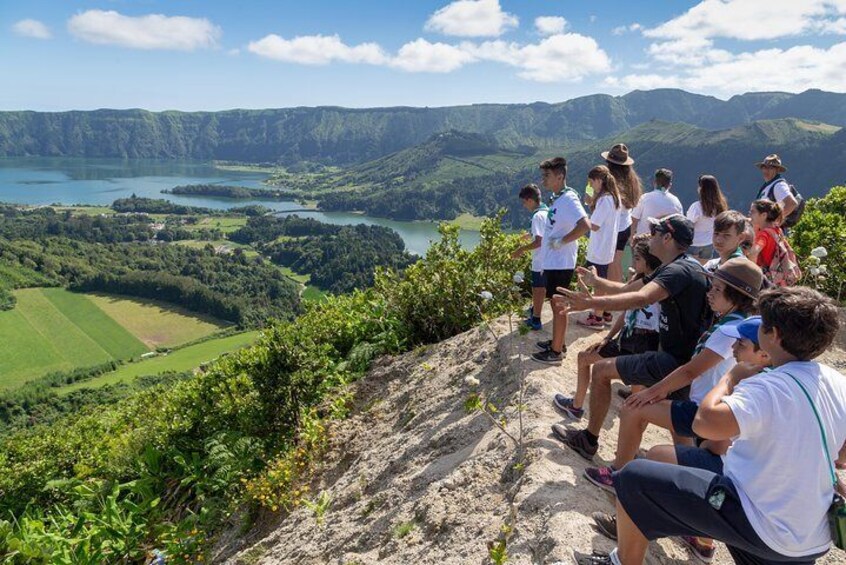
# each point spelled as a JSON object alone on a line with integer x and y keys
{"x": 620, "y": 164}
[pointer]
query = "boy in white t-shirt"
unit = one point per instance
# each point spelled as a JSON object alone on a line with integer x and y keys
{"x": 768, "y": 498}
{"x": 657, "y": 203}
{"x": 566, "y": 222}
{"x": 530, "y": 197}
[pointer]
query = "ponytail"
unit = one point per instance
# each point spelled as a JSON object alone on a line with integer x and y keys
{"x": 771, "y": 210}
{"x": 609, "y": 185}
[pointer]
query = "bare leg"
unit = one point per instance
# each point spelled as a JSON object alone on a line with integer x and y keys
{"x": 615, "y": 269}
{"x": 585, "y": 360}
{"x": 663, "y": 453}
{"x": 633, "y": 422}
{"x": 841, "y": 458}
{"x": 538, "y": 298}
{"x": 631, "y": 544}
{"x": 603, "y": 373}
{"x": 559, "y": 330}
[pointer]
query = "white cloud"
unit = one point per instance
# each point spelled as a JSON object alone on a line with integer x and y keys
{"x": 550, "y": 25}
{"x": 750, "y": 19}
{"x": 234, "y": 52}
{"x": 472, "y": 18}
{"x": 620, "y": 30}
{"x": 558, "y": 58}
{"x": 421, "y": 56}
{"x": 316, "y": 50}
{"x": 791, "y": 70}
{"x": 153, "y": 31}
{"x": 691, "y": 50}
{"x": 32, "y": 28}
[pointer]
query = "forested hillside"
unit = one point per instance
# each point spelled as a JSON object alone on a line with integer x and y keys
{"x": 344, "y": 136}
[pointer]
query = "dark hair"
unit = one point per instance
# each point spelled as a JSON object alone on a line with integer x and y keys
{"x": 742, "y": 301}
{"x": 663, "y": 178}
{"x": 711, "y": 197}
{"x": 640, "y": 246}
{"x": 771, "y": 209}
{"x": 609, "y": 185}
{"x": 628, "y": 183}
{"x": 807, "y": 320}
{"x": 730, "y": 219}
{"x": 557, "y": 164}
{"x": 530, "y": 192}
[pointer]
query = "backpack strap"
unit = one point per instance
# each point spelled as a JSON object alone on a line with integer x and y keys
{"x": 822, "y": 430}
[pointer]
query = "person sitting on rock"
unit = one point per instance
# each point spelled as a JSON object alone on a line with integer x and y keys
{"x": 769, "y": 497}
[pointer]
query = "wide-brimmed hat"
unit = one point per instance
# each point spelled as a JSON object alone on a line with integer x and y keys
{"x": 772, "y": 161}
{"x": 741, "y": 274}
{"x": 619, "y": 155}
{"x": 678, "y": 226}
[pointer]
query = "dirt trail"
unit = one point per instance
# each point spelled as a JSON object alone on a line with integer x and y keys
{"x": 414, "y": 478}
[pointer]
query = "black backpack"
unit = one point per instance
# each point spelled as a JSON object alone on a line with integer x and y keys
{"x": 796, "y": 214}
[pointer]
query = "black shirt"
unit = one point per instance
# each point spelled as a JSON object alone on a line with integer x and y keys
{"x": 685, "y": 314}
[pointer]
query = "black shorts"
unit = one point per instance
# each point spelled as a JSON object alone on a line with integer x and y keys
{"x": 688, "y": 456}
{"x": 665, "y": 500}
{"x": 556, "y": 278}
{"x": 623, "y": 238}
{"x": 601, "y": 270}
{"x": 646, "y": 369}
{"x": 631, "y": 345}
{"x": 682, "y": 413}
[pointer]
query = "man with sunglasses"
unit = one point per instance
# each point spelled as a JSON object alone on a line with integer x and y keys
{"x": 680, "y": 286}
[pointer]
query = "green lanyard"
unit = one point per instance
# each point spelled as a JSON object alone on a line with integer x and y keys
{"x": 734, "y": 316}
{"x": 822, "y": 431}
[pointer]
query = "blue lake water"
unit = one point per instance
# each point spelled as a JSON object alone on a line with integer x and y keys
{"x": 46, "y": 180}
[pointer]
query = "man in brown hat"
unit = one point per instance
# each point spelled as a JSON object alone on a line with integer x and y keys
{"x": 775, "y": 187}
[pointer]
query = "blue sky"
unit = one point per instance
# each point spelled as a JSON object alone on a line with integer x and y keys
{"x": 211, "y": 55}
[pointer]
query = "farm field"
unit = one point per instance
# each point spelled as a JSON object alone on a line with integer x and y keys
{"x": 181, "y": 360}
{"x": 52, "y": 329}
{"x": 156, "y": 324}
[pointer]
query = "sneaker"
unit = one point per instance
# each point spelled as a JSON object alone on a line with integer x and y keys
{"x": 606, "y": 524}
{"x": 595, "y": 558}
{"x": 575, "y": 440}
{"x": 548, "y": 356}
{"x": 533, "y": 325}
{"x": 565, "y": 406}
{"x": 601, "y": 477}
{"x": 624, "y": 393}
{"x": 546, "y": 344}
{"x": 530, "y": 311}
{"x": 591, "y": 322}
{"x": 701, "y": 550}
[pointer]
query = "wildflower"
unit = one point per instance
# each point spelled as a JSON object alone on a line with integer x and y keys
{"x": 815, "y": 271}
{"x": 823, "y": 269}
{"x": 518, "y": 277}
{"x": 819, "y": 252}
{"x": 486, "y": 295}
{"x": 814, "y": 260}
{"x": 471, "y": 381}
{"x": 515, "y": 288}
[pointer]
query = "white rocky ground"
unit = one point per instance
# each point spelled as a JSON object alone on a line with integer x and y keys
{"x": 414, "y": 478}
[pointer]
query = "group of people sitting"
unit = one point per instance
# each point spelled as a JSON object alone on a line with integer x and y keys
{"x": 719, "y": 351}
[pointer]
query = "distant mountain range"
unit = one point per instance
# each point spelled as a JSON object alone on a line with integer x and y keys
{"x": 344, "y": 136}
{"x": 436, "y": 163}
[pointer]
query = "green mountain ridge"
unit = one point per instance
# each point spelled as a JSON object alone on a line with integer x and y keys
{"x": 344, "y": 136}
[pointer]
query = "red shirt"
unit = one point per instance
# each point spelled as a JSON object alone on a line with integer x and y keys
{"x": 766, "y": 241}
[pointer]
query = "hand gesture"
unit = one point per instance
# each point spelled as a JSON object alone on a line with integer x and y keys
{"x": 645, "y": 397}
{"x": 575, "y": 300}
{"x": 586, "y": 276}
{"x": 741, "y": 371}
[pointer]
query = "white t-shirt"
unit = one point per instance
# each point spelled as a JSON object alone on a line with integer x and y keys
{"x": 703, "y": 226}
{"x": 538, "y": 223}
{"x": 711, "y": 265}
{"x": 780, "y": 190}
{"x": 603, "y": 242}
{"x": 644, "y": 318}
{"x": 777, "y": 462}
{"x": 719, "y": 343}
{"x": 625, "y": 219}
{"x": 563, "y": 215}
{"x": 655, "y": 204}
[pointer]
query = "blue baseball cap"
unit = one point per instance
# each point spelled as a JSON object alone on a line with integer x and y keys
{"x": 747, "y": 329}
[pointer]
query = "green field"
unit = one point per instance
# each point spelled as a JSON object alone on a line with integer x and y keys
{"x": 155, "y": 323}
{"x": 52, "y": 329}
{"x": 226, "y": 225}
{"x": 183, "y": 359}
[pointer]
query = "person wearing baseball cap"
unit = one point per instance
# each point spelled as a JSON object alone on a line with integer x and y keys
{"x": 680, "y": 286}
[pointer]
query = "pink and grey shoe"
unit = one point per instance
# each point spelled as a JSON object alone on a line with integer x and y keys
{"x": 702, "y": 550}
{"x": 592, "y": 322}
{"x": 601, "y": 477}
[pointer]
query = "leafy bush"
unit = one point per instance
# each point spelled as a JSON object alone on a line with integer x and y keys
{"x": 823, "y": 225}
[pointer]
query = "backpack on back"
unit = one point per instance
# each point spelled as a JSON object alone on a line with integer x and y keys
{"x": 796, "y": 214}
{"x": 783, "y": 269}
